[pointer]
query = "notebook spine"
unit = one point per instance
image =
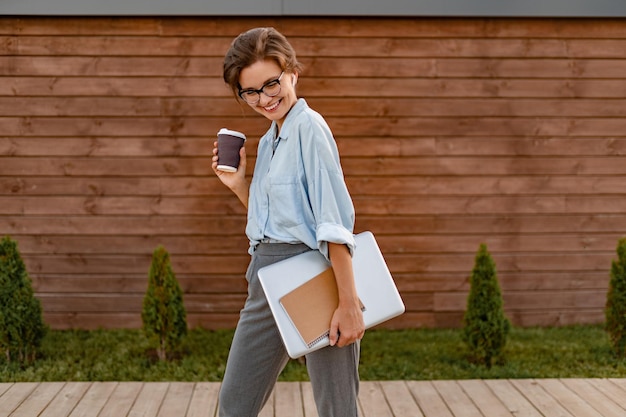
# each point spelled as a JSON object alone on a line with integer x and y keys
{"x": 318, "y": 339}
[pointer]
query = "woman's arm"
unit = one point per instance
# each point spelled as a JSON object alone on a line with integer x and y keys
{"x": 235, "y": 181}
{"x": 347, "y": 324}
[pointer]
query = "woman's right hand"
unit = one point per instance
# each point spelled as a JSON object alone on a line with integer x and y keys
{"x": 235, "y": 181}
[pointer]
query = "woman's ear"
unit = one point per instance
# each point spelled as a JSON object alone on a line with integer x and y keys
{"x": 294, "y": 79}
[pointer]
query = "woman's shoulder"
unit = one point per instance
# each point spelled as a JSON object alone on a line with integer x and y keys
{"x": 308, "y": 120}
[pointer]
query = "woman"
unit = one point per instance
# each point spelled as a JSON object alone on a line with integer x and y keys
{"x": 297, "y": 201}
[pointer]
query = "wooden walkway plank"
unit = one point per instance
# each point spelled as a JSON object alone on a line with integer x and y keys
{"x": 514, "y": 400}
{"x": 428, "y": 399}
{"x": 400, "y": 399}
{"x": 288, "y": 399}
{"x": 457, "y": 401}
{"x": 94, "y": 399}
{"x": 204, "y": 400}
{"x": 484, "y": 398}
{"x": 121, "y": 399}
{"x": 619, "y": 382}
{"x": 177, "y": 398}
{"x": 372, "y": 400}
{"x": 576, "y": 405}
{"x": 14, "y": 396}
{"x": 544, "y": 402}
{"x": 38, "y": 400}
{"x": 611, "y": 388}
{"x": 149, "y": 399}
{"x": 308, "y": 401}
{"x": 66, "y": 400}
{"x": 486, "y": 401}
{"x": 5, "y": 386}
{"x": 268, "y": 409}
{"x": 596, "y": 398}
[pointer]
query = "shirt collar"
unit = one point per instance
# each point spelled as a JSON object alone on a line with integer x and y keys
{"x": 297, "y": 108}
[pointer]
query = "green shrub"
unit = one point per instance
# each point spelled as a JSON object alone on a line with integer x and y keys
{"x": 21, "y": 323}
{"x": 485, "y": 326}
{"x": 615, "y": 310}
{"x": 163, "y": 314}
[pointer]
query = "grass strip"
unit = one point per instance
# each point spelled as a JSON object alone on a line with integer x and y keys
{"x": 416, "y": 354}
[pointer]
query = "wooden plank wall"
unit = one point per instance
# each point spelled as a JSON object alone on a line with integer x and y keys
{"x": 453, "y": 132}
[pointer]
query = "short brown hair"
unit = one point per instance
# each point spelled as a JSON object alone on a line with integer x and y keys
{"x": 258, "y": 44}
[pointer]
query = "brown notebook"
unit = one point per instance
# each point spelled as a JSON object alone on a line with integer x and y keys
{"x": 311, "y": 306}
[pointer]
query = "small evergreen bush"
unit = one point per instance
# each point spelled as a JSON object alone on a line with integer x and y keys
{"x": 485, "y": 326}
{"x": 21, "y": 322}
{"x": 163, "y": 315}
{"x": 615, "y": 310}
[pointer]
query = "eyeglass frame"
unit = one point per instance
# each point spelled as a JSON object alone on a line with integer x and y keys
{"x": 259, "y": 91}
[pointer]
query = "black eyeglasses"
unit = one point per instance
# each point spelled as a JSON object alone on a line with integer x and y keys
{"x": 270, "y": 89}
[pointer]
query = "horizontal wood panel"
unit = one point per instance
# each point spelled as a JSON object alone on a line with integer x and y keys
{"x": 496, "y": 224}
{"x": 412, "y": 282}
{"x": 448, "y": 67}
{"x": 45, "y": 85}
{"x": 106, "y": 320}
{"x": 232, "y": 303}
{"x": 212, "y": 86}
{"x": 95, "y": 205}
{"x": 421, "y": 282}
{"x": 175, "y": 206}
{"x": 206, "y": 303}
{"x": 109, "y": 147}
{"x": 461, "y": 107}
{"x": 110, "y": 245}
{"x": 407, "y": 320}
{"x": 345, "y": 126}
{"x": 321, "y": 67}
{"x": 121, "y": 264}
{"x": 374, "y": 167}
{"x": 430, "y": 282}
{"x": 397, "y": 225}
{"x": 216, "y": 46}
{"x": 117, "y": 186}
{"x": 103, "y": 167}
{"x": 453, "y": 132}
{"x": 528, "y": 301}
{"x": 207, "y": 243}
{"x": 116, "y": 106}
{"x": 131, "y": 46}
{"x": 347, "y": 28}
{"x": 408, "y": 186}
{"x": 398, "y": 263}
{"x": 336, "y": 107}
{"x": 127, "y": 225}
{"x": 505, "y": 185}
{"x": 136, "y": 283}
{"x": 545, "y": 317}
{"x": 490, "y": 205}
{"x": 124, "y": 126}
{"x": 349, "y": 147}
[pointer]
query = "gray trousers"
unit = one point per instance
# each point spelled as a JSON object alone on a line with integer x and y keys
{"x": 257, "y": 355}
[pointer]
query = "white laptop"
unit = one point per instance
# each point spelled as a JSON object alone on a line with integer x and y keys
{"x": 375, "y": 287}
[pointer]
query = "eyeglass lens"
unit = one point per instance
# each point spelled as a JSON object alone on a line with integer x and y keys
{"x": 270, "y": 89}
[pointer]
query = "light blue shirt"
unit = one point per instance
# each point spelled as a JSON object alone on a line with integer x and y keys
{"x": 298, "y": 192}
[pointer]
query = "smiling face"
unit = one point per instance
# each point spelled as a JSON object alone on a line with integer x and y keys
{"x": 256, "y": 76}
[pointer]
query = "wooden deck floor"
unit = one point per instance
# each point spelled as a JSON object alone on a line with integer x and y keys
{"x": 467, "y": 398}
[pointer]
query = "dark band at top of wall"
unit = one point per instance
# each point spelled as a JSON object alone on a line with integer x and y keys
{"x": 370, "y": 8}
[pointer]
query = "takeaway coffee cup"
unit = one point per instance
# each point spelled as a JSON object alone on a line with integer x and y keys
{"x": 229, "y": 142}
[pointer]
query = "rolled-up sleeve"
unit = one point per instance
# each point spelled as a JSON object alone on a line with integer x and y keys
{"x": 329, "y": 197}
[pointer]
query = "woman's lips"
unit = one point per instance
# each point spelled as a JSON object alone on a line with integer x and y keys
{"x": 273, "y": 107}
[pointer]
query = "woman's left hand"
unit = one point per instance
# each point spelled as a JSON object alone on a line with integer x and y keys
{"x": 347, "y": 325}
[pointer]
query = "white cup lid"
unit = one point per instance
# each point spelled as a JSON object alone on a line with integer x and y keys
{"x": 224, "y": 131}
